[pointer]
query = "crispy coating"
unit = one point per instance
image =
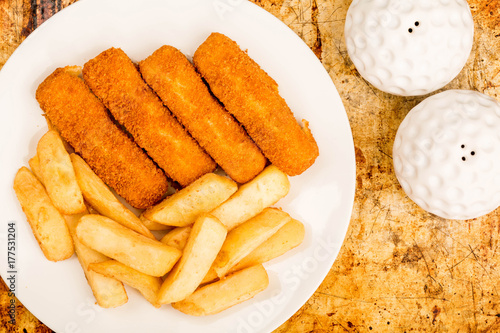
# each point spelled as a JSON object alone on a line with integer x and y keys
{"x": 113, "y": 77}
{"x": 85, "y": 124}
{"x": 252, "y": 97}
{"x": 182, "y": 90}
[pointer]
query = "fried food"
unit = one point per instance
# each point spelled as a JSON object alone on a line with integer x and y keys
{"x": 177, "y": 237}
{"x": 204, "y": 242}
{"x": 35, "y": 167}
{"x": 218, "y": 296}
{"x": 58, "y": 174}
{"x": 113, "y": 77}
{"x": 183, "y": 207}
{"x": 47, "y": 223}
{"x": 108, "y": 292}
{"x": 126, "y": 246}
{"x": 147, "y": 285}
{"x": 221, "y": 232}
{"x": 245, "y": 238}
{"x": 99, "y": 196}
{"x": 251, "y": 198}
{"x": 252, "y": 97}
{"x": 286, "y": 238}
{"x": 84, "y": 123}
{"x": 170, "y": 74}
{"x": 153, "y": 225}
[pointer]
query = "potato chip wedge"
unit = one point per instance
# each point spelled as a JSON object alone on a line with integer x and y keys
{"x": 147, "y": 285}
{"x": 99, "y": 196}
{"x": 126, "y": 246}
{"x": 153, "y": 225}
{"x": 58, "y": 174}
{"x": 203, "y": 195}
{"x": 218, "y": 296}
{"x": 47, "y": 223}
{"x": 211, "y": 276}
{"x": 286, "y": 238}
{"x": 251, "y": 198}
{"x": 177, "y": 237}
{"x": 35, "y": 167}
{"x": 247, "y": 237}
{"x": 204, "y": 242}
{"x": 108, "y": 292}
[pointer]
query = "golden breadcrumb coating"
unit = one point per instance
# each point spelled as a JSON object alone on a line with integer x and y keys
{"x": 252, "y": 97}
{"x": 85, "y": 124}
{"x": 170, "y": 74}
{"x": 114, "y": 78}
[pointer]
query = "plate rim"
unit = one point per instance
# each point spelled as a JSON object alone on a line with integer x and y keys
{"x": 76, "y": 6}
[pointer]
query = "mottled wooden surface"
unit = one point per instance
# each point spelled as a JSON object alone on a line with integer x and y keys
{"x": 400, "y": 269}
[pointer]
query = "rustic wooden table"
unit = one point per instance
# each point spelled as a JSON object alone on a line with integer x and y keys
{"x": 400, "y": 269}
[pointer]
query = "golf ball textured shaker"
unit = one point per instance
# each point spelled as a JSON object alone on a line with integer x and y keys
{"x": 409, "y": 47}
{"x": 447, "y": 154}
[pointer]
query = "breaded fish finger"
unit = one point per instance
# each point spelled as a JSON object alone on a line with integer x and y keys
{"x": 84, "y": 123}
{"x": 252, "y": 97}
{"x": 113, "y": 77}
{"x": 182, "y": 90}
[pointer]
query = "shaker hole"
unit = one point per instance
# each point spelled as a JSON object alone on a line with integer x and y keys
{"x": 417, "y": 23}
{"x": 473, "y": 153}
{"x": 410, "y": 30}
{"x": 462, "y": 146}
{"x": 463, "y": 158}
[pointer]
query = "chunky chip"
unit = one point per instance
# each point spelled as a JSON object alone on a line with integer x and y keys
{"x": 108, "y": 292}
{"x": 204, "y": 242}
{"x": 58, "y": 174}
{"x": 47, "y": 223}
{"x": 147, "y": 285}
{"x": 177, "y": 237}
{"x": 99, "y": 196}
{"x": 203, "y": 195}
{"x": 286, "y": 238}
{"x": 251, "y": 198}
{"x": 247, "y": 237}
{"x": 218, "y": 296}
{"x": 126, "y": 246}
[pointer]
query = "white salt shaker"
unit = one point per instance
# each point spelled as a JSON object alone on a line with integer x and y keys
{"x": 446, "y": 154}
{"x": 409, "y": 47}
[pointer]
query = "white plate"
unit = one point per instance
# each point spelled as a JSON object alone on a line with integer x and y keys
{"x": 322, "y": 197}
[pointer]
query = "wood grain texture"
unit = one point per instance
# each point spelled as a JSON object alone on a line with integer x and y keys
{"x": 400, "y": 269}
